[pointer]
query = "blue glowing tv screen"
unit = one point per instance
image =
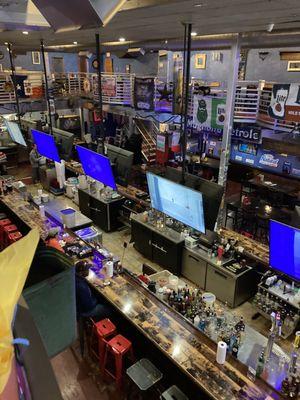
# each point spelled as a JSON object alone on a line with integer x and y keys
{"x": 177, "y": 201}
{"x": 45, "y": 145}
{"x": 285, "y": 249}
{"x": 96, "y": 166}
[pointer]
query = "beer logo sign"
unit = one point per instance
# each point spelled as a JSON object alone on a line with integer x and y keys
{"x": 285, "y": 102}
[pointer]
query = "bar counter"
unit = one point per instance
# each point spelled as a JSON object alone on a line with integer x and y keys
{"x": 188, "y": 348}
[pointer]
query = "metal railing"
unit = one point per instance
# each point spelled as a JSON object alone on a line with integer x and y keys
{"x": 251, "y": 102}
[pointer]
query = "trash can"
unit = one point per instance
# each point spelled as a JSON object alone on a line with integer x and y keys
{"x": 50, "y": 294}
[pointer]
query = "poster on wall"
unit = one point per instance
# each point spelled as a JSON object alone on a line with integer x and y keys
{"x": 177, "y": 83}
{"x": 109, "y": 86}
{"x": 209, "y": 113}
{"x": 175, "y": 146}
{"x": 285, "y": 102}
{"x": 143, "y": 94}
{"x": 160, "y": 143}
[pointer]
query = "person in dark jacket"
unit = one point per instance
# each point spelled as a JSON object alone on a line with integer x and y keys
{"x": 86, "y": 302}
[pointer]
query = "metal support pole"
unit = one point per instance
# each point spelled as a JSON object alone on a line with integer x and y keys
{"x": 228, "y": 124}
{"x": 98, "y": 56}
{"x": 186, "y": 97}
{"x": 47, "y": 96}
{"x": 13, "y": 74}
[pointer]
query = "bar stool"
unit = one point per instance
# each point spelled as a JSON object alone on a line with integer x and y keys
{"x": 3, "y": 222}
{"x": 14, "y": 237}
{"x": 7, "y": 230}
{"x": 173, "y": 393}
{"x": 145, "y": 376}
{"x": 102, "y": 331}
{"x": 118, "y": 346}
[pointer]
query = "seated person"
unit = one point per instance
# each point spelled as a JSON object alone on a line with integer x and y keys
{"x": 86, "y": 302}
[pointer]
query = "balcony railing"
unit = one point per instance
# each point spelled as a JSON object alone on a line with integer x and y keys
{"x": 251, "y": 101}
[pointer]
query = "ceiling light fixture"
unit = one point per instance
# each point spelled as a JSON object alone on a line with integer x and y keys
{"x": 25, "y": 32}
{"x": 75, "y": 43}
{"x": 6, "y": 43}
{"x": 122, "y": 39}
{"x": 193, "y": 33}
{"x": 199, "y": 5}
{"x": 166, "y": 42}
{"x": 270, "y": 27}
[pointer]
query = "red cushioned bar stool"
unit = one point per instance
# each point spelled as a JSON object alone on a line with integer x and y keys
{"x": 3, "y": 223}
{"x": 119, "y": 347}
{"x": 102, "y": 331}
{"x": 14, "y": 237}
{"x": 7, "y": 230}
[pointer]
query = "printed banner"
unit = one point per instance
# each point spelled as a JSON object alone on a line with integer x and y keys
{"x": 209, "y": 113}
{"x": 109, "y": 86}
{"x": 285, "y": 102}
{"x": 247, "y": 133}
{"x": 177, "y": 83}
{"x": 160, "y": 143}
{"x": 144, "y": 94}
{"x": 175, "y": 147}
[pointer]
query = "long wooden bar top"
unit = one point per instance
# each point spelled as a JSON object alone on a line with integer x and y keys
{"x": 185, "y": 345}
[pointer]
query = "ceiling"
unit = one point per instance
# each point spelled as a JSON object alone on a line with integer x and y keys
{"x": 150, "y": 23}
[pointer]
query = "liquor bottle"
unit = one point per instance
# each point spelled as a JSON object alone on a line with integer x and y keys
{"x": 260, "y": 364}
{"x": 235, "y": 348}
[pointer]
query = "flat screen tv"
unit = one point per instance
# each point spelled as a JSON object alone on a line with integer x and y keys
{"x": 212, "y": 193}
{"x": 15, "y": 133}
{"x": 96, "y": 166}
{"x": 64, "y": 142}
{"x": 285, "y": 249}
{"x": 177, "y": 201}
{"x": 122, "y": 162}
{"x": 45, "y": 145}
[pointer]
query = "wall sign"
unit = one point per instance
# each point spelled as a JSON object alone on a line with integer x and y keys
{"x": 269, "y": 160}
{"x": 209, "y": 113}
{"x": 144, "y": 94}
{"x": 109, "y": 86}
{"x": 247, "y": 134}
{"x": 285, "y": 102}
{"x": 160, "y": 143}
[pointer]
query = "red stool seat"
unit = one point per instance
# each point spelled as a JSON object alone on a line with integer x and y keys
{"x": 13, "y": 237}
{"x": 9, "y": 229}
{"x": 105, "y": 327}
{"x": 119, "y": 346}
{"x": 102, "y": 330}
{"x": 6, "y": 231}
{"x": 3, "y": 223}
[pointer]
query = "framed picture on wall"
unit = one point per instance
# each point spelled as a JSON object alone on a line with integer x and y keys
{"x": 200, "y": 61}
{"x": 293, "y": 66}
{"x": 36, "y": 57}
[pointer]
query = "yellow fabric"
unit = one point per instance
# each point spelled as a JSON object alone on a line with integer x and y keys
{"x": 15, "y": 262}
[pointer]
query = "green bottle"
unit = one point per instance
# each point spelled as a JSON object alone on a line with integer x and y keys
{"x": 260, "y": 364}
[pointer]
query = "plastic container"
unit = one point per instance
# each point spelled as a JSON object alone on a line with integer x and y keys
{"x": 209, "y": 299}
{"x": 68, "y": 217}
{"x": 50, "y": 295}
{"x": 82, "y": 182}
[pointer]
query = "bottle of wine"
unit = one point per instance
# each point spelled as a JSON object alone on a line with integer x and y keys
{"x": 260, "y": 364}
